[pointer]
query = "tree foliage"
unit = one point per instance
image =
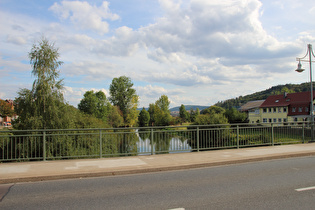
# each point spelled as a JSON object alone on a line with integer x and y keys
{"x": 194, "y": 114}
{"x": 115, "y": 118}
{"x": 95, "y": 104}
{"x": 124, "y": 97}
{"x": 160, "y": 111}
{"x": 208, "y": 119}
{"x": 213, "y": 110}
{"x": 235, "y": 116}
{"x": 151, "y": 113}
{"x": 183, "y": 114}
{"x": 43, "y": 106}
{"x": 6, "y": 109}
{"x": 144, "y": 118}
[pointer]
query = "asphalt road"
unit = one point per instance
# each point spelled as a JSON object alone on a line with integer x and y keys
{"x": 277, "y": 184}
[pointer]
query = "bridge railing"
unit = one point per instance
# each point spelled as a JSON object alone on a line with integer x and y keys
{"x": 26, "y": 145}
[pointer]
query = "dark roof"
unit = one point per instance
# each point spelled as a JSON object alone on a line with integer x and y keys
{"x": 287, "y": 99}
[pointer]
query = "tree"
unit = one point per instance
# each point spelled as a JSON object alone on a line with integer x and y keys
{"x": 235, "y": 116}
{"x": 162, "y": 116}
{"x": 133, "y": 113}
{"x": 144, "y": 118}
{"x": 6, "y": 109}
{"x": 207, "y": 119}
{"x": 124, "y": 97}
{"x": 95, "y": 104}
{"x": 213, "y": 110}
{"x": 115, "y": 118}
{"x": 43, "y": 106}
{"x": 194, "y": 114}
{"x": 151, "y": 112}
{"x": 183, "y": 114}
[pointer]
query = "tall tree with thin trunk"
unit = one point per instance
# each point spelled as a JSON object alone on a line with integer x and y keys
{"x": 43, "y": 106}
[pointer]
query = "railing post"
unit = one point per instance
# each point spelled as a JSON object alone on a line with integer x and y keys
{"x": 101, "y": 144}
{"x": 197, "y": 138}
{"x": 272, "y": 135}
{"x": 44, "y": 145}
{"x": 152, "y": 147}
{"x": 303, "y": 133}
{"x": 238, "y": 136}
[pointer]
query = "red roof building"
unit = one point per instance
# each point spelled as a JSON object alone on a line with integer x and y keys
{"x": 286, "y": 107}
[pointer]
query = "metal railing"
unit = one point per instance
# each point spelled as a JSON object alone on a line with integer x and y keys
{"x": 25, "y": 145}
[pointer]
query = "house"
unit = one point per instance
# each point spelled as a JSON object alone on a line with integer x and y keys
{"x": 288, "y": 107}
{"x": 252, "y": 110}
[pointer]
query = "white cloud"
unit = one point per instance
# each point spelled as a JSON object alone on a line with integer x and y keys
{"x": 213, "y": 28}
{"x": 196, "y": 52}
{"x": 91, "y": 70}
{"x": 19, "y": 40}
{"x": 84, "y": 16}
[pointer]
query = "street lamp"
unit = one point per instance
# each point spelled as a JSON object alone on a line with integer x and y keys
{"x": 310, "y": 54}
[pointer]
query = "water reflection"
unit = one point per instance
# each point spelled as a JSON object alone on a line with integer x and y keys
{"x": 163, "y": 143}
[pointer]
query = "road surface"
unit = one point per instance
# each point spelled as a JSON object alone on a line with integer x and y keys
{"x": 277, "y": 184}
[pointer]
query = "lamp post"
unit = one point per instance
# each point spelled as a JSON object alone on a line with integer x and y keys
{"x": 310, "y": 54}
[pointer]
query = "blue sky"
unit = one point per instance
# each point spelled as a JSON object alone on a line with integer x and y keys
{"x": 196, "y": 52}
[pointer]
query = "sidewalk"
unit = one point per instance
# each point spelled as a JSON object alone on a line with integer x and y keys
{"x": 80, "y": 168}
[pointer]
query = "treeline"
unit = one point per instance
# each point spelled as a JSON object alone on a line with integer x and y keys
{"x": 262, "y": 95}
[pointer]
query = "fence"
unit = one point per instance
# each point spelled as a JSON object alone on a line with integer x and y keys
{"x": 16, "y": 145}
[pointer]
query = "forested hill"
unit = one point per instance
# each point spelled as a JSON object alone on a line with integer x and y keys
{"x": 189, "y": 107}
{"x": 262, "y": 95}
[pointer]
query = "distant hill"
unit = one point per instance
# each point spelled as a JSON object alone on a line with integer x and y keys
{"x": 188, "y": 107}
{"x": 262, "y": 95}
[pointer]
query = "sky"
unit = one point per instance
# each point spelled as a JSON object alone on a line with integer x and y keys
{"x": 196, "y": 52}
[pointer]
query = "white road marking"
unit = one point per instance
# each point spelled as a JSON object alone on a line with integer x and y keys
{"x": 305, "y": 189}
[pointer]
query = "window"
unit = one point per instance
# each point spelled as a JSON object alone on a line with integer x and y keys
{"x": 284, "y": 119}
{"x": 279, "y": 109}
{"x": 293, "y": 109}
{"x": 284, "y": 109}
{"x": 306, "y": 109}
{"x": 270, "y": 120}
{"x": 264, "y": 110}
{"x": 269, "y": 109}
{"x": 300, "y": 109}
{"x": 279, "y": 120}
{"x": 274, "y": 109}
{"x": 264, "y": 120}
{"x": 274, "y": 119}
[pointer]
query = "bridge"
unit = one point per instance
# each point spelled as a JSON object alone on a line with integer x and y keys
{"x": 53, "y": 154}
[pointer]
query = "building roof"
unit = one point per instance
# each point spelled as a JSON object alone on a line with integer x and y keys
{"x": 251, "y": 105}
{"x": 287, "y": 99}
